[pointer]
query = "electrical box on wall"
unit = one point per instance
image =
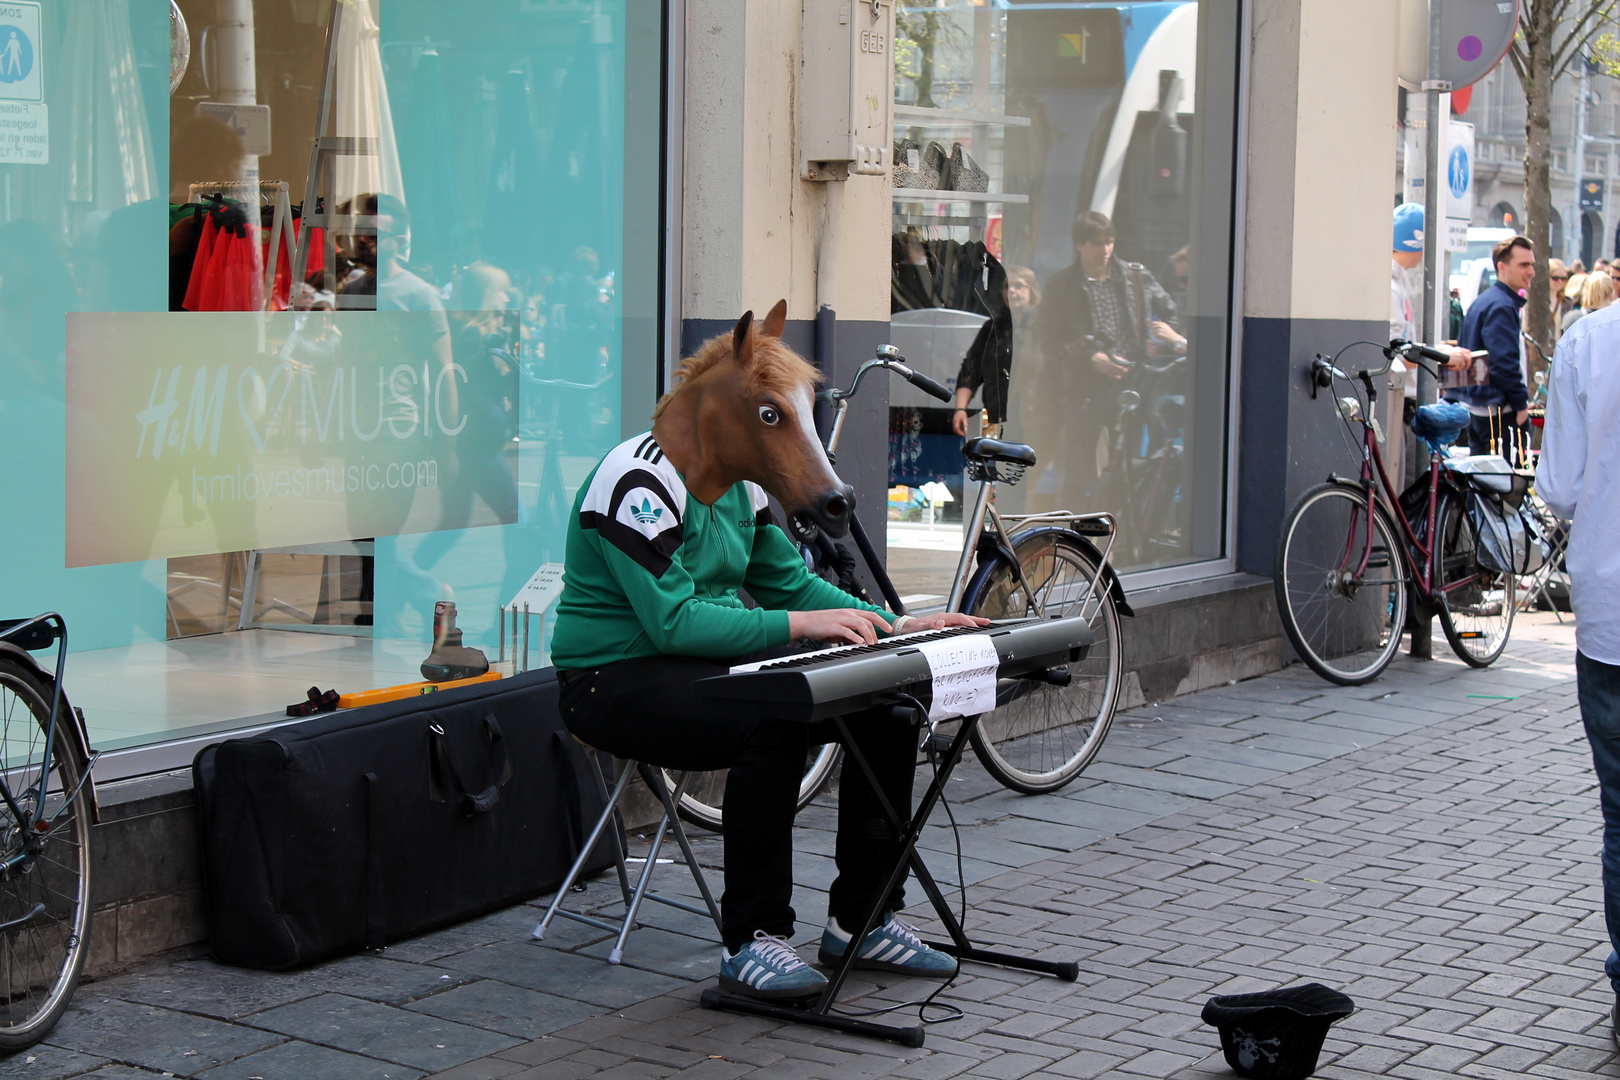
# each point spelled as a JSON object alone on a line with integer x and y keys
{"x": 846, "y": 90}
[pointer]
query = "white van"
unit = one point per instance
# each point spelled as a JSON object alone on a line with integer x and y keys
{"x": 1472, "y": 271}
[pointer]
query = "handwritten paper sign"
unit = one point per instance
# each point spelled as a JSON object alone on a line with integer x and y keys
{"x": 964, "y": 670}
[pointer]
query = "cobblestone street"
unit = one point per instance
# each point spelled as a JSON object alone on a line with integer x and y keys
{"x": 1428, "y": 844}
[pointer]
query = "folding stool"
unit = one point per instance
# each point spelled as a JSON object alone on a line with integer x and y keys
{"x": 654, "y": 779}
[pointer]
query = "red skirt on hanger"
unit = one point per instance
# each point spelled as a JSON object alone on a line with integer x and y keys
{"x": 199, "y": 265}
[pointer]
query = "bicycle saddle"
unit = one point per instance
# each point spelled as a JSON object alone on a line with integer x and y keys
{"x": 995, "y": 450}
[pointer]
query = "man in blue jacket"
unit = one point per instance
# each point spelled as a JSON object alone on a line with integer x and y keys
{"x": 1500, "y": 407}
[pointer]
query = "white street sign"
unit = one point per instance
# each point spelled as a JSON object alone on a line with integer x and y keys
{"x": 250, "y": 122}
{"x": 1459, "y": 190}
{"x": 22, "y": 60}
{"x": 25, "y": 133}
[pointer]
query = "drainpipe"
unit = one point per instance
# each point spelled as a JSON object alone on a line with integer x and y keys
{"x": 826, "y": 350}
{"x": 236, "y": 77}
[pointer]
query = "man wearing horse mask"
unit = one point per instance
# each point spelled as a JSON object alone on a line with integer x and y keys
{"x": 664, "y": 533}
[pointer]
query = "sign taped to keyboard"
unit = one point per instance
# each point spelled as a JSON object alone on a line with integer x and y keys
{"x": 964, "y": 670}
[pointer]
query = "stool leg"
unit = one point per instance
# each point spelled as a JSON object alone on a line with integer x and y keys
{"x": 585, "y": 853}
{"x": 618, "y": 832}
{"x": 670, "y": 801}
{"x": 617, "y": 952}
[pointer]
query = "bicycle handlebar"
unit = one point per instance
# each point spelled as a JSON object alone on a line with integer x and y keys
{"x": 889, "y": 359}
{"x": 926, "y": 385}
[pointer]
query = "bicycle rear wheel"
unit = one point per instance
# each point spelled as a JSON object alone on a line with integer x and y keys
{"x": 45, "y": 895}
{"x": 703, "y": 801}
{"x": 1040, "y": 737}
{"x": 1476, "y": 609}
{"x": 1343, "y": 617}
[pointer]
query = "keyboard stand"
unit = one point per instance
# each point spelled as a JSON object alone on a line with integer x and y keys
{"x": 820, "y": 1013}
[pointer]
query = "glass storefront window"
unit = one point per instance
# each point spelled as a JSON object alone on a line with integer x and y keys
{"x": 313, "y": 315}
{"x": 1062, "y": 247}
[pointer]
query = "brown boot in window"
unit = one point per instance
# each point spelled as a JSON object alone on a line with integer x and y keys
{"x": 450, "y": 659}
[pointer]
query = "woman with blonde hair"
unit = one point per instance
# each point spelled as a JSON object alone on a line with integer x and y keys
{"x": 1597, "y": 291}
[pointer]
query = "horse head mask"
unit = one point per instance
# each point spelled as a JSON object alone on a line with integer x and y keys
{"x": 741, "y": 409}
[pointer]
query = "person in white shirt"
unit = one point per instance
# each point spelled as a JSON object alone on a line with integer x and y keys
{"x": 1405, "y": 319}
{"x": 1405, "y": 275}
{"x": 1577, "y": 479}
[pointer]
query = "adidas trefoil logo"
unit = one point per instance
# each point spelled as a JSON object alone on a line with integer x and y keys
{"x": 647, "y": 513}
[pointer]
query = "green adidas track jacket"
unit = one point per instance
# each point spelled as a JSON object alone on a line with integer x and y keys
{"x": 649, "y": 570}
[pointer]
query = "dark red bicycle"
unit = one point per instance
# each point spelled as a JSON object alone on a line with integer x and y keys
{"x": 1345, "y": 577}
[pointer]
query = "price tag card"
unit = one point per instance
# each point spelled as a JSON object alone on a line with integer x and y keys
{"x": 964, "y": 670}
{"x": 541, "y": 590}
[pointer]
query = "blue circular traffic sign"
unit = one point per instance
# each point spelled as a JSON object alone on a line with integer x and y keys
{"x": 16, "y": 54}
{"x": 1457, "y": 172}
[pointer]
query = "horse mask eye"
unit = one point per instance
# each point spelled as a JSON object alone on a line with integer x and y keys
{"x": 770, "y": 415}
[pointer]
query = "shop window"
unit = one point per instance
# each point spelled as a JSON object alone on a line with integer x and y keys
{"x": 329, "y": 303}
{"x": 1062, "y": 246}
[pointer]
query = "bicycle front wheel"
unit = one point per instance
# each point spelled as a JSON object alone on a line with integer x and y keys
{"x": 703, "y": 801}
{"x": 1040, "y": 737}
{"x": 45, "y": 894}
{"x": 1341, "y": 586}
{"x": 1476, "y": 604}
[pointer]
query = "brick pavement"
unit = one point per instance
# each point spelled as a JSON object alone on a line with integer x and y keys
{"x": 1427, "y": 843}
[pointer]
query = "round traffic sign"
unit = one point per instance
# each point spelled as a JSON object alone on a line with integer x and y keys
{"x": 16, "y": 54}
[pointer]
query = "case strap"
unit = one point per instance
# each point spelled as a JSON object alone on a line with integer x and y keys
{"x": 444, "y": 778}
{"x": 376, "y": 891}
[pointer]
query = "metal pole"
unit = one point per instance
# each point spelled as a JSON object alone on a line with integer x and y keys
{"x": 500, "y": 620}
{"x": 1578, "y": 167}
{"x": 1434, "y": 222}
{"x": 525, "y": 636}
{"x": 237, "y": 58}
{"x": 1435, "y": 229}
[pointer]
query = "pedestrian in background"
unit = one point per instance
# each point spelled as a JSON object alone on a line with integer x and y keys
{"x": 1501, "y": 406}
{"x": 1405, "y": 311}
{"x": 1597, "y": 292}
{"x": 1558, "y": 275}
{"x": 1405, "y": 273}
{"x": 988, "y": 365}
{"x": 1577, "y": 479}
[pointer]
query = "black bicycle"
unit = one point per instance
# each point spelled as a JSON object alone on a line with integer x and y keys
{"x": 47, "y": 806}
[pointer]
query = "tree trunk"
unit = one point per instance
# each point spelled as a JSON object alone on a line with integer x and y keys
{"x": 1538, "y": 27}
{"x": 925, "y": 60}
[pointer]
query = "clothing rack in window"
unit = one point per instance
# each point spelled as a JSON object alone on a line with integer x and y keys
{"x": 268, "y": 193}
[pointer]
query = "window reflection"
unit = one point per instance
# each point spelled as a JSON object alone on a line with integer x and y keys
{"x": 1066, "y": 301}
{"x": 348, "y": 342}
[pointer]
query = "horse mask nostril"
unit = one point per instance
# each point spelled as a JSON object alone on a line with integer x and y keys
{"x": 837, "y": 507}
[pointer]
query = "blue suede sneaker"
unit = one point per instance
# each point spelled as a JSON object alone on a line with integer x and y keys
{"x": 768, "y": 968}
{"x": 893, "y": 946}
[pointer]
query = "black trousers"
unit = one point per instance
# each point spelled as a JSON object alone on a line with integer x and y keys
{"x": 646, "y": 709}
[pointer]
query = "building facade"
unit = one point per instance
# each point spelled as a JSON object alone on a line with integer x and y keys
{"x": 1585, "y": 223}
{"x": 308, "y": 340}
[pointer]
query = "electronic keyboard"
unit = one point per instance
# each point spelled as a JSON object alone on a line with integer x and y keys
{"x": 817, "y": 685}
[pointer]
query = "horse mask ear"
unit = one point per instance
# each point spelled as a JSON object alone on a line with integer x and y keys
{"x": 776, "y": 320}
{"x": 742, "y": 341}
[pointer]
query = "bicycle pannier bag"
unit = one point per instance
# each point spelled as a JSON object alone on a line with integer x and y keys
{"x": 360, "y": 828}
{"x": 1503, "y": 539}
